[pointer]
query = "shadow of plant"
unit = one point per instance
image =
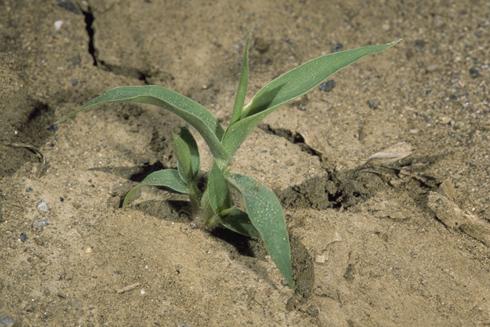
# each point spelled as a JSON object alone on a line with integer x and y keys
{"x": 248, "y": 251}
{"x": 344, "y": 189}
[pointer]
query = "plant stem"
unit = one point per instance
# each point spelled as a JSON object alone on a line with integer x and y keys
{"x": 195, "y": 197}
{"x": 212, "y": 222}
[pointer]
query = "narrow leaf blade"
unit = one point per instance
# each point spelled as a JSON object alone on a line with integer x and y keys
{"x": 305, "y": 77}
{"x": 194, "y": 150}
{"x": 266, "y": 214}
{"x": 238, "y": 221}
{"x": 289, "y": 86}
{"x": 218, "y": 191}
{"x": 169, "y": 178}
{"x": 189, "y": 110}
{"x": 187, "y": 155}
{"x": 242, "y": 87}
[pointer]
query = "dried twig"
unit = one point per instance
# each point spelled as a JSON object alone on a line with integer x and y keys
{"x": 127, "y": 288}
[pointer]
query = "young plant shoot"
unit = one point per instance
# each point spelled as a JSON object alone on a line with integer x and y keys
{"x": 258, "y": 213}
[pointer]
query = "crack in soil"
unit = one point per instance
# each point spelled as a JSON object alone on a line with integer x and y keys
{"x": 322, "y": 192}
{"x": 125, "y": 71}
{"x": 89, "y": 28}
{"x": 89, "y": 19}
{"x": 294, "y": 138}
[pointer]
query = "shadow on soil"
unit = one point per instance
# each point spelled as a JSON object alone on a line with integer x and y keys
{"x": 344, "y": 189}
{"x": 248, "y": 251}
{"x": 25, "y": 130}
{"x": 335, "y": 190}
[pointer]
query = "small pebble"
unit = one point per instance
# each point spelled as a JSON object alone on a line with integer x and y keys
{"x": 88, "y": 250}
{"x": 23, "y": 237}
{"x": 419, "y": 44}
{"x": 52, "y": 128}
{"x": 301, "y": 107}
{"x": 313, "y": 310}
{"x": 6, "y": 321}
{"x": 320, "y": 259}
{"x": 445, "y": 120}
{"x": 42, "y": 206}
{"x": 327, "y": 86}
{"x": 40, "y": 224}
{"x": 373, "y": 103}
{"x": 474, "y": 72}
{"x": 261, "y": 45}
{"x": 142, "y": 291}
{"x": 58, "y": 24}
{"x": 29, "y": 189}
{"x": 336, "y": 47}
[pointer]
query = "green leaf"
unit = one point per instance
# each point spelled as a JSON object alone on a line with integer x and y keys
{"x": 187, "y": 155}
{"x": 189, "y": 110}
{"x": 242, "y": 87}
{"x": 266, "y": 214}
{"x": 218, "y": 191}
{"x": 305, "y": 77}
{"x": 289, "y": 86}
{"x": 169, "y": 178}
{"x": 238, "y": 221}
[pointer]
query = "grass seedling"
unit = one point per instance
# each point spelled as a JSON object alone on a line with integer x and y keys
{"x": 257, "y": 213}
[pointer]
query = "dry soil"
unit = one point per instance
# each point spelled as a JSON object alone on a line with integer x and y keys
{"x": 375, "y": 243}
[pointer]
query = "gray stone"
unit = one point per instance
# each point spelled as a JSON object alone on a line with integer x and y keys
{"x": 6, "y": 321}
{"x": 23, "y": 237}
{"x": 42, "y": 206}
{"x": 40, "y": 224}
{"x": 327, "y": 86}
{"x": 373, "y": 103}
{"x": 474, "y": 72}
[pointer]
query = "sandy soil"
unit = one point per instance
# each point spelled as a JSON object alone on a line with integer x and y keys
{"x": 404, "y": 243}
